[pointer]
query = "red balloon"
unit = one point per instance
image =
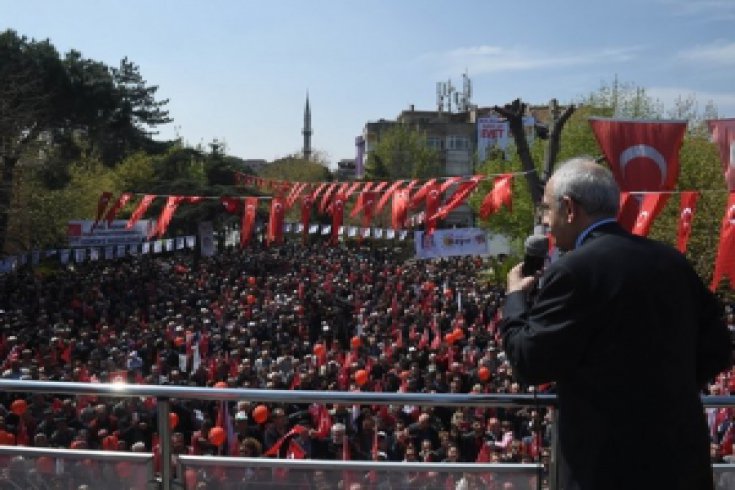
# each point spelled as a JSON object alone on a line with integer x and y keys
{"x": 19, "y": 407}
{"x": 319, "y": 350}
{"x": 483, "y": 373}
{"x": 217, "y": 436}
{"x": 356, "y": 342}
{"x": 220, "y": 384}
{"x": 251, "y": 299}
{"x": 252, "y": 281}
{"x": 260, "y": 414}
{"x": 361, "y": 377}
{"x": 45, "y": 465}
{"x": 173, "y": 420}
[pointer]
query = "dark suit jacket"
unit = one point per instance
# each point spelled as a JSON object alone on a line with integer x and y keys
{"x": 630, "y": 334}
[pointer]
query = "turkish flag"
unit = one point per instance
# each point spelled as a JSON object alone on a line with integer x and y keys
{"x": 168, "y": 212}
{"x": 433, "y": 198}
{"x": 231, "y": 204}
{"x": 354, "y": 187}
{"x": 338, "y": 211}
{"x": 325, "y": 197}
{"x": 250, "y": 208}
{"x": 500, "y": 195}
{"x": 650, "y": 208}
{"x": 459, "y": 196}
{"x": 421, "y": 193}
{"x": 686, "y": 216}
{"x": 306, "y": 203}
{"x": 643, "y": 157}
{"x": 121, "y": 201}
{"x": 140, "y": 210}
{"x": 725, "y": 263}
{"x": 400, "y": 209}
{"x": 387, "y": 195}
{"x": 722, "y": 132}
{"x": 102, "y": 203}
{"x": 275, "y": 222}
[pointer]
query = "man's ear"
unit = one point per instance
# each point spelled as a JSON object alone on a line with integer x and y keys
{"x": 569, "y": 208}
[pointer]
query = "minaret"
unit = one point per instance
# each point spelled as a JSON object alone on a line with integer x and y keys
{"x": 307, "y": 130}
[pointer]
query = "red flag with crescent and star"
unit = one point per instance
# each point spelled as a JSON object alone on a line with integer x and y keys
{"x": 725, "y": 263}
{"x": 140, "y": 210}
{"x": 387, "y": 195}
{"x": 722, "y": 133}
{"x": 643, "y": 157}
{"x": 306, "y": 202}
{"x": 650, "y": 208}
{"x": 433, "y": 199}
{"x": 400, "y": 209}
{"x": 499, "y": 195}
{"x": 168, "y": 212}
{"x": 686, "y": 216}
{"x": 275, "y": 222}
{"x": 250, "y": 208}
{"x": 338, "y": 211}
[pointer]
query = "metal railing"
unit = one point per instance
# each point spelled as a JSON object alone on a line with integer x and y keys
{"x": 164, "y": 394}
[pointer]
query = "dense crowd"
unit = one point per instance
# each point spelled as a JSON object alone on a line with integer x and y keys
{"x": 288, "y": 317}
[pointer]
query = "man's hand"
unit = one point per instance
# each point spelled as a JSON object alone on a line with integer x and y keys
{"x": 518, "y": 282}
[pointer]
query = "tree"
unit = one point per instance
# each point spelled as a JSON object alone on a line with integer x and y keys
{"x": 402, "y": 153}
{"x": 295, "y": 169}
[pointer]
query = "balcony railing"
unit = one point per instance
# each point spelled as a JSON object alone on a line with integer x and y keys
{"x": 164, "y": 394}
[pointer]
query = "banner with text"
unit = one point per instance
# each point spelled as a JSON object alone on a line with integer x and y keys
{"x": 450, "y": 243}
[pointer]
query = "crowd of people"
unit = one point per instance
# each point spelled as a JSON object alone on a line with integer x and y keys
{"x": 348, "y": 318}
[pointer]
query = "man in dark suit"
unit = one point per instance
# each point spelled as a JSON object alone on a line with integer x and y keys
{"x": 630, "y": 335}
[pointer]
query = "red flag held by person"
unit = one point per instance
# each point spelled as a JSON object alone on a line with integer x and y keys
{"x": 643, "y": 157}
{"x": 686, "y": 216}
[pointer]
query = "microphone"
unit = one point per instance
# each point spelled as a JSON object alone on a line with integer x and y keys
{"x": 537, "y": 248}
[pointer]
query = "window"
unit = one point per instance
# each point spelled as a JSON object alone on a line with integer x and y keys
{"x": 458, "y": 143}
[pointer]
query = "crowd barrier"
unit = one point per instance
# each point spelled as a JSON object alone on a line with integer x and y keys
{"x": 109, "y": 461}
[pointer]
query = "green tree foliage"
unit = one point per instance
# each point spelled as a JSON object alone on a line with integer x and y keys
{"x": 296, "y": 169}
{"x": 401, "y": 153}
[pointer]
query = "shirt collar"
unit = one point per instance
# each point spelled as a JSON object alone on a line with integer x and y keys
{"x": 590, "y": 228}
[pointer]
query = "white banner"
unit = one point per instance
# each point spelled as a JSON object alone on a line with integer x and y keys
{"x": 81, "y": 234}
{"x": 450, "y": 243}
{"x": 495, "y": 132}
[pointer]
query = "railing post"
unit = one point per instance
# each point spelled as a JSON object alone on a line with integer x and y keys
{"x": 554, "y": 456}
{"x": 164, "y": 440}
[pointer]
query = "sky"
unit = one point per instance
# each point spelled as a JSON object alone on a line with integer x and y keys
{"x": 239, "y": 70}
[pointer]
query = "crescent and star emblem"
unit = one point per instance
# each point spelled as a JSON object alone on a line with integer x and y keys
{"x": 731, "y": 214}
{"x": 643, "y": 151}
{"x": 642, "y": 217}
{"x": 686, "y": 217}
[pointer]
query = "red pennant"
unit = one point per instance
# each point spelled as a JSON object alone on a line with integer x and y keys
{"x": 500, "y": 195}
{"x": 650, "y": 208}
{"x": 338, "y": 208}
{"x": 325, "y": 197}
{"x": 433, "y": 198}
{"x": 722, "y": 132}
{"x": 687, "y": 209}
{"x": 354, "y": 187}
{"x": 168, "y": 212}
{"x": 140, "y": 210}
{"x": 121, "y": 201}
{"x": 250, "y": 209}
{"x": 275, "y": 223}
{"x": 460, "y": 196}
{"x": 400, "y": 209}
{"x": 102, "y": 203}
{"x": 231, "y": 204}
{"x": 421, "y": 193}
{"x": 725, "y": 263}
{"x": 387, "y": 195}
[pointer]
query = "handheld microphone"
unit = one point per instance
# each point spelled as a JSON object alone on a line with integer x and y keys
{"x": 537, "y": 248}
